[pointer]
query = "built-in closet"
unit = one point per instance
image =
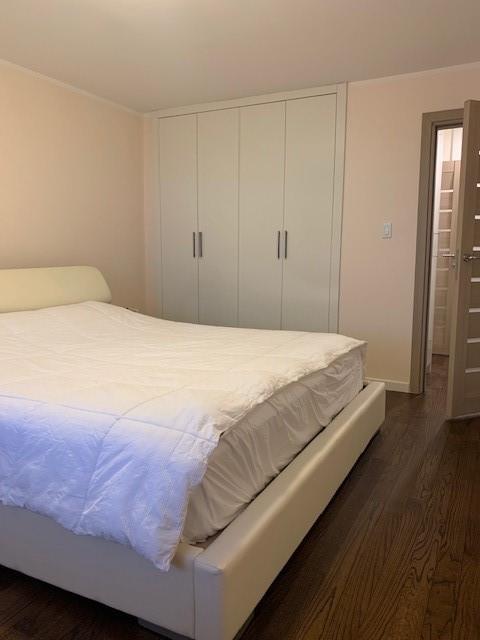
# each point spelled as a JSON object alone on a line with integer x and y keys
{"x": 250, "y": 207}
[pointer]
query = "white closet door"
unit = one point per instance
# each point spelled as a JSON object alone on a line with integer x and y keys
{"x": 218, "y": 216}
{"x": 178, "y": 205}
{"x": 262, "y": 155}
{"x": 309, "y": 189}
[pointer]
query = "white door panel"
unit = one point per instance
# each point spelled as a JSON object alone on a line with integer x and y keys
{"x": 178, "y": 206}
{"x": 262, "y": 152}
{"x": 309, "y": 192}
{"x": 218, "y": 216}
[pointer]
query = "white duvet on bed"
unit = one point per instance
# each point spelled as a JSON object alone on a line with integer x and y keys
{"x": 108, "y": 418}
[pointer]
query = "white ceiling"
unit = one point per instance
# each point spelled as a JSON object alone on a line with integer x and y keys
{"x": 149, "y": 54}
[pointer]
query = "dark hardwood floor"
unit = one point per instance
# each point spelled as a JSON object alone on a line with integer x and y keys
{"x": 396, "y": 555}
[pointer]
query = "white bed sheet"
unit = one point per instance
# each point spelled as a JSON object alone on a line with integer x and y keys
{"x": 108, "y": 418}
{"x": 250, "y": 455}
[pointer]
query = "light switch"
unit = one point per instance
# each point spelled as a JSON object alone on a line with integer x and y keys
{"x": 387, "y": 230}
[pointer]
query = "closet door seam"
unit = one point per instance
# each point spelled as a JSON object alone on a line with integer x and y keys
{"x": 284, "y": 212}
{"x": 197, "y": 217}
{"x": 239, "y": 159}
{"x": 161, "y": 214}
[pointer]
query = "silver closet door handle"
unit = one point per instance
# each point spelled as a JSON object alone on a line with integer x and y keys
{"x": 286, "y": 244}
{"x": 200, "y": 244}
{"x": 194, "y": 245}
{"x": 278, "y": 245}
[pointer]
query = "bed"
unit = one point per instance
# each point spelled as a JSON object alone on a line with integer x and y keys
{"x": 251, "y": 494}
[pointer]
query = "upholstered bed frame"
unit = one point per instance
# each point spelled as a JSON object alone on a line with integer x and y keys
{"x": 211, "y": 590}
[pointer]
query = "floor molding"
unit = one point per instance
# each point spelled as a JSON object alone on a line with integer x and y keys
{"x": 392, "y": 385}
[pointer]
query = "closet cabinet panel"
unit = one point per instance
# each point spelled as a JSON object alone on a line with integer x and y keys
{"x": 250, "y": 200}
{"x": 218, "y": 216}
{"x": 262, "y": 151}
{"x": 309, "y": 190}
{"x": 178, "y": 208}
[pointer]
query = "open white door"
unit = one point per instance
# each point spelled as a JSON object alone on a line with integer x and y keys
{"x": 463, "y": 396}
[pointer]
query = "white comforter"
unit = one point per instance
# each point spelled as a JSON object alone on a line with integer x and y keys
{"x": 108, "y": 418}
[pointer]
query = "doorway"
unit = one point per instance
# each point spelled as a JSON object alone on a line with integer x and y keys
{"x": 448, "y": 153}
{"x": 436, "y": 259}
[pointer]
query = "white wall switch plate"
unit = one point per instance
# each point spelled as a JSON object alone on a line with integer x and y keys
{"x": 387, "y": 230}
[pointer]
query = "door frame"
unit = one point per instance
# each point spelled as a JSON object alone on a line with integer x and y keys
{"x": 431, "y": 123}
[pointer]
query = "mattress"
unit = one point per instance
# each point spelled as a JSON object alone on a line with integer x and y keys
{"x": 252, "y": 453}
{"x": 108, "y": 419}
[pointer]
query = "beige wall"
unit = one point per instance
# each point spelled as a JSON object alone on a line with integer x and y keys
{"x": 381, "y": 185}
{"x": 71, "y": 187}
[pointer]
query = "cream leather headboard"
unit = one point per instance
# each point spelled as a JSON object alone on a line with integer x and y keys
{"x": 28, "y": 289}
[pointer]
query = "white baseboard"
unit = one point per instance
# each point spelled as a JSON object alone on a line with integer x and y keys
{"x": 392, "y": 385}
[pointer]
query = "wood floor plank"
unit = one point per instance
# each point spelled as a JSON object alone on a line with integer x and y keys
{"x": 396, "y": 571}
{"x": 444, "y": 593}
{"x": 466, "y": 622}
